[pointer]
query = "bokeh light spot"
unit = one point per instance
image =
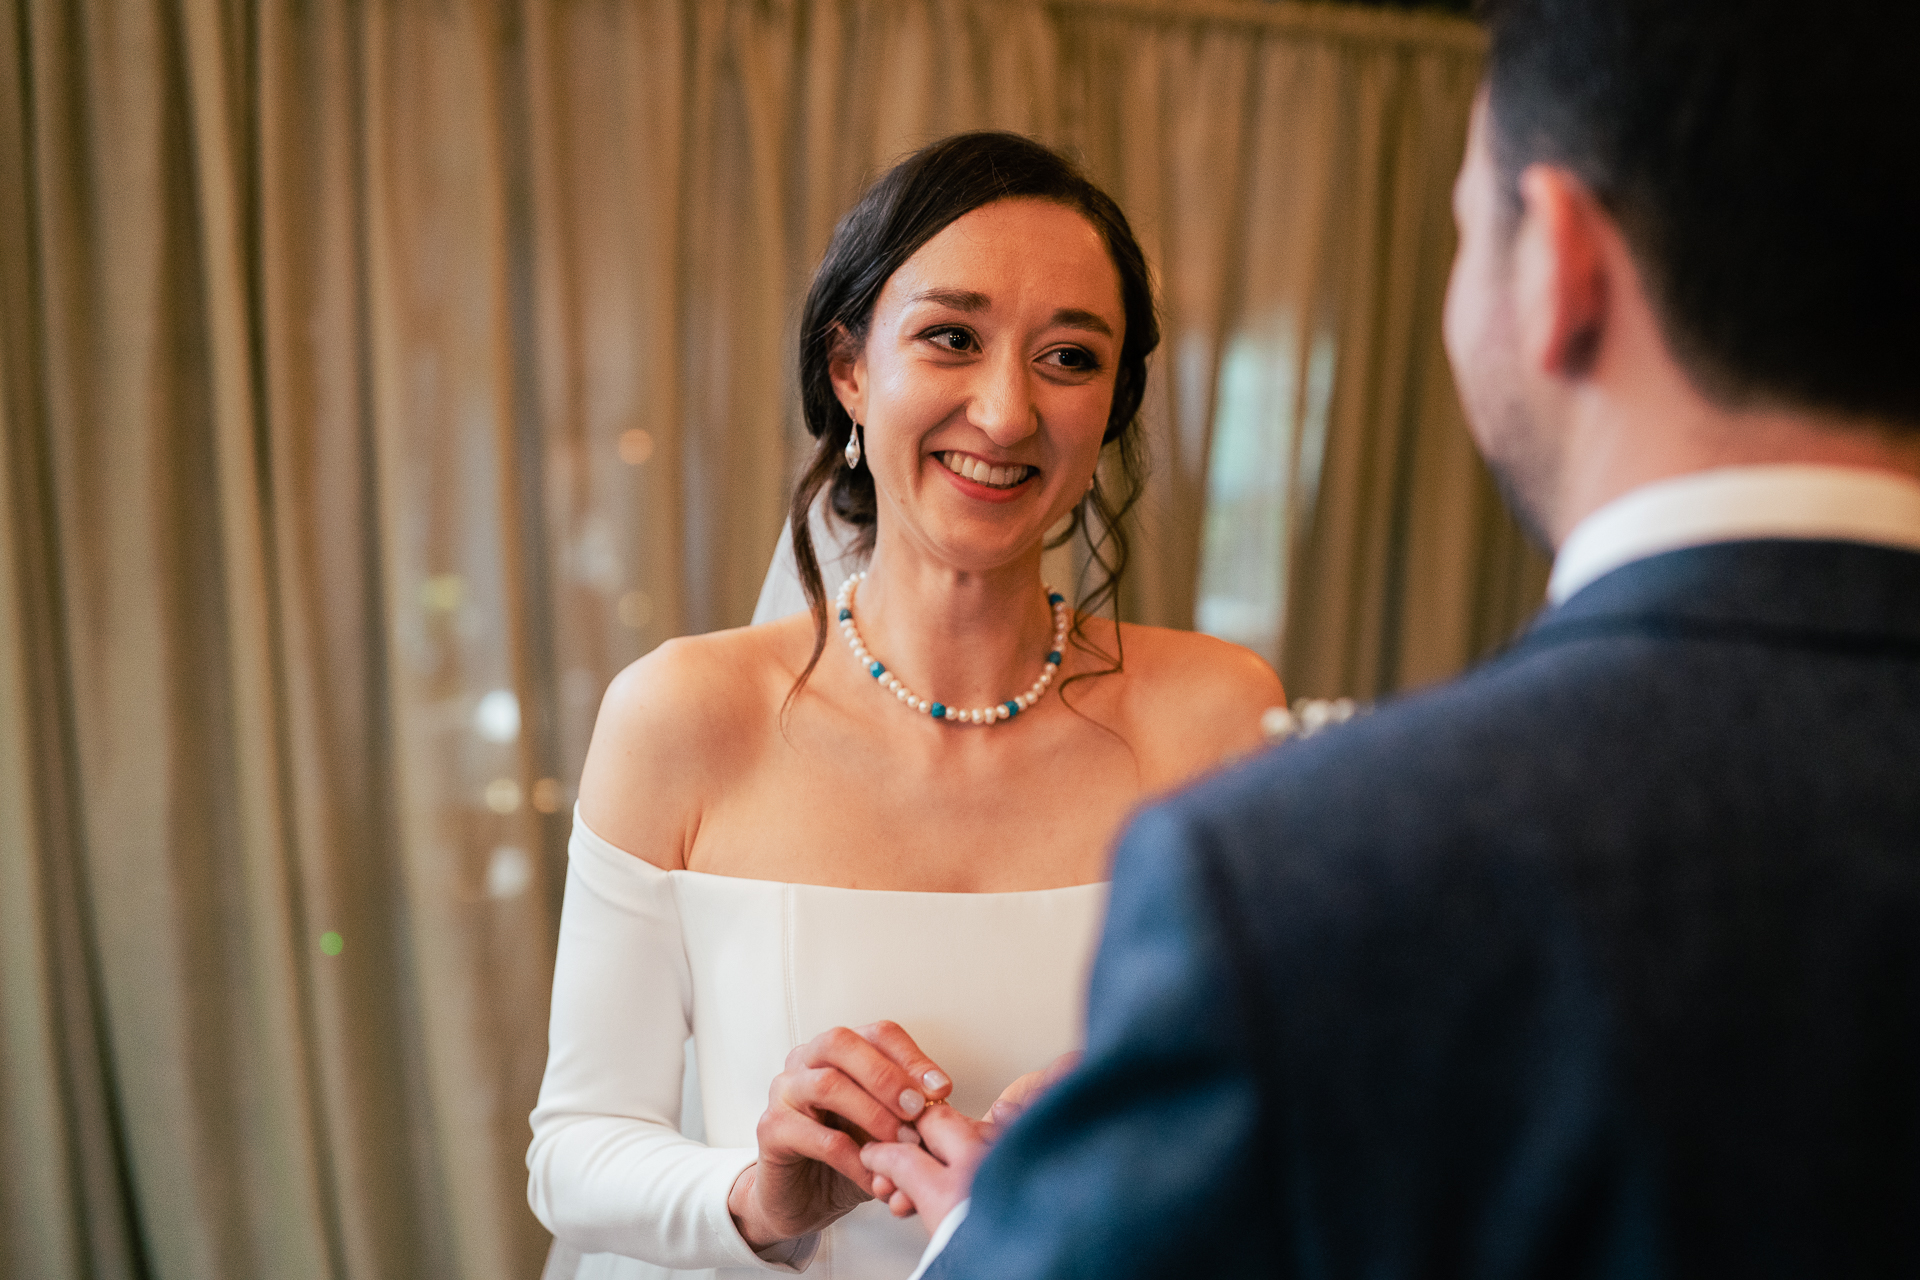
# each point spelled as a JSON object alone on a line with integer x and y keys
{"x": 443, "y": 592}
{"x": 331, "y": 943}
{"x": 546, "y": 795}
{"x": 636, "y": 609}
{"x": 497, "y": 717}
{"x": 503, "y": 795}
{"x": 636, "y": 446}
{"x": 508, "y": 872}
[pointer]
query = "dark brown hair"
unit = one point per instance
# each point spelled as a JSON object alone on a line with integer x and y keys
{"x": 907, "y": 207}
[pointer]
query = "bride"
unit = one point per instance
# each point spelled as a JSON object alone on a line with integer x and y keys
{"x": 904, "y": 831}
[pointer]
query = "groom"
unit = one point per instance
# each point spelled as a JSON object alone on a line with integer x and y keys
{"x": 1603, "y": 960}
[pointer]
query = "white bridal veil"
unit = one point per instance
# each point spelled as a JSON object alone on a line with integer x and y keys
{"x": 780, "y": 594}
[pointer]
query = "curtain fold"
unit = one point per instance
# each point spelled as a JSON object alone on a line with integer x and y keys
{"x": 1394, "y": 520}
{"x": 379, "y": 379}
{"x": 66, "y": 1207}
{"x": 1315, "y": 494}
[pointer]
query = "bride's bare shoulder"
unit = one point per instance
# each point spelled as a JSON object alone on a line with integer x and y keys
{"x": 676, "y": 725}
{"x": 1196, "y": 697}
{"x": 693, "y": 681}
{"x": 1186, "y": 665}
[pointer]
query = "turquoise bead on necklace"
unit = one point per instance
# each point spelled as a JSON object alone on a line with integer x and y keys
{"x": 939, "y": 710}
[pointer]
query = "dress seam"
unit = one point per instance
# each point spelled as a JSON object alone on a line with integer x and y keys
{"x": 786, "y": 966}
{"x": 825, "y": 1256}
{"x": 793, "y": 1039}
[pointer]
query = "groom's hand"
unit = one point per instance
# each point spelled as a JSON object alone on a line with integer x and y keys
{"x": 939, "y": 1177}
{"x": 1022, "y": 1093}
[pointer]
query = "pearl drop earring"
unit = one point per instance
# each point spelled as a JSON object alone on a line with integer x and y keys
{"x": 853, "y": 447}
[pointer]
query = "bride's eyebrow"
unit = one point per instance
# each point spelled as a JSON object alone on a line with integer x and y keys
{"x": 958, "y": 299}
{"x": 973, "y": 301}
{"x": 1075, "y": 318}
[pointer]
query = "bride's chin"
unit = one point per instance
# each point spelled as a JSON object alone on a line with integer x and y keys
{"x": 973, "y": 537}
{"x": 967, "y": 551}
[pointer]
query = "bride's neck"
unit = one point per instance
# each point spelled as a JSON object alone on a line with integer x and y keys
{"x": 969, "y": 638}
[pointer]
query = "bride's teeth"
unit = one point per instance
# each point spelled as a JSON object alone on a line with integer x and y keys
{"x": 981, "y": 472}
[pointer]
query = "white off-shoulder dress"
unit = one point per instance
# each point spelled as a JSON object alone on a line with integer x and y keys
{"x": 990, "y": 985}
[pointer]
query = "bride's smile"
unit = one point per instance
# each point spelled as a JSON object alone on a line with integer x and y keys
{"x": 982, "y": 474}
{"x": 985, "y": 480}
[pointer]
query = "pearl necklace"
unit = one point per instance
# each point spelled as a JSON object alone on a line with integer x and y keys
{"x": 939, "y": 710}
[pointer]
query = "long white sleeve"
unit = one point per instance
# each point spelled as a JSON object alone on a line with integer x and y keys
{"x": 608, "y": 1170}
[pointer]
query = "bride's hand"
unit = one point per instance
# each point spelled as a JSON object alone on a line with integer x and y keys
{"x": 840, "y": 1090}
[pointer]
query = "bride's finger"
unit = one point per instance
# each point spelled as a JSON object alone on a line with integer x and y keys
{"x": 825, "y": 1089}
{"x": 872, "y": 1070}
{"x": 899, "y": 1205}
{"x": 893, "y": 1041}
{"x": 788, "y": 1133}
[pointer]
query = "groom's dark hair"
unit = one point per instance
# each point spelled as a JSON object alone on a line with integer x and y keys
{"x": 1762, "y": 158}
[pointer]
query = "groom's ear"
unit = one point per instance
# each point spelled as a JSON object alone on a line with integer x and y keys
{"x": 1562, "y": 284}
{"x": 847, "y": 370}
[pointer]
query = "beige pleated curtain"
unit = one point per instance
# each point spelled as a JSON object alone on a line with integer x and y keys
{"x": 379, "y": 378}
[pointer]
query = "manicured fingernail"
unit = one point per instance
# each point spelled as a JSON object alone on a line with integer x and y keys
{"x": 912, "y": 1103}
{"x": 935, "y": 1081}
{"x": 909, "y": 1135}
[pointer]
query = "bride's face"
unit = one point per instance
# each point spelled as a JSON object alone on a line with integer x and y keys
{"x": 983, "y": 385}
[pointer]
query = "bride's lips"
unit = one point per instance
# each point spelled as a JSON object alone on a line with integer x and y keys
{"x": 954, "y": 465}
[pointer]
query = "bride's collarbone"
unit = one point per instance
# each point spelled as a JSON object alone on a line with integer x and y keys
{"x": 970, "y": 777}
{"x": 845, "y": 786}
{"x": 885, "y": 815}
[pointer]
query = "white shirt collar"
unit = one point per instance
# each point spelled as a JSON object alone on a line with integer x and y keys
{"x": 1732, "y": 504}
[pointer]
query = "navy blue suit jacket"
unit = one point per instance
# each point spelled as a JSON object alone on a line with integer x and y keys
{"x": 1603, "y": 960}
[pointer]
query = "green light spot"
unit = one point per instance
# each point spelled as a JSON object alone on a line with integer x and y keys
{"x": 332, "y": 943}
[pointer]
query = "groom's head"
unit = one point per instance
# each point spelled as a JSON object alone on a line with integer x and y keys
{"x": 1752, "y": 163}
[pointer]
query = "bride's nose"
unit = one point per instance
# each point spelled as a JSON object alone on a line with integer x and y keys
{"x": 1002, "y": 401}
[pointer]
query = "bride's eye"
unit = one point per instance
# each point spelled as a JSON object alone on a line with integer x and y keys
{"x": 1075, "y": 359}
{"x": 950, "y": 339}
